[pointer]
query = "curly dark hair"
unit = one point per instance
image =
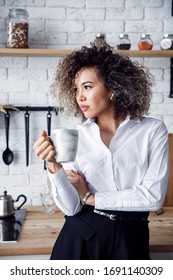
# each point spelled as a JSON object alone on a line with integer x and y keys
{"x": 127, "y": 80}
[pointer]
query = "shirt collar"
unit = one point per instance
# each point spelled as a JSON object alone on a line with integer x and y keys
{"x": 127, "y": 119}
{"x": 89, "y": 121}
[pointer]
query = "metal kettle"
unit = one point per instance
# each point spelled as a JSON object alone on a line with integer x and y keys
{"x": 7, "y": 204}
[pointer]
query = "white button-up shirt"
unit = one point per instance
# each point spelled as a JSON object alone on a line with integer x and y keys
{"x": 130, "y": 175}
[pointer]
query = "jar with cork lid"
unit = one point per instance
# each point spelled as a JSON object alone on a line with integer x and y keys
{"x": 17, "y": 28}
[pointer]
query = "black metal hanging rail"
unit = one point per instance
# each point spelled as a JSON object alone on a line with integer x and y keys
{"x": 42, "y": 108}
{"x": 35, "y": 108}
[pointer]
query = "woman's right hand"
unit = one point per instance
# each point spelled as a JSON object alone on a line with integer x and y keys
{"x": 45, "y": 150}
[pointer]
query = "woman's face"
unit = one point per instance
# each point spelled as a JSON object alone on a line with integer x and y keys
{"x": 92, "y": 96}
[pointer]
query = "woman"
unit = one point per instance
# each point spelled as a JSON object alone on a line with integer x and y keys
{"x": 120, "y": 172}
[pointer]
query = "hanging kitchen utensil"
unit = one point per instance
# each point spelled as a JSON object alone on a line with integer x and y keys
{"x": 49, "y": 115}
{"x": 27, "y": 135}
{"x": 7, "y": 154}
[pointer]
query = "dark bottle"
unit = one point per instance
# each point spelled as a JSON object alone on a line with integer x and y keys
{"x": 124, "y": 42}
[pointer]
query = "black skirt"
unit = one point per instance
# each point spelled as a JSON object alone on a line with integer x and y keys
{"x": 90, "y": 236}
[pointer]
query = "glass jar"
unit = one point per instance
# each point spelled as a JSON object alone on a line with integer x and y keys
{"x": 17, "y": 28}
{"x": 100, "y": 41}
{"x": 124, "y": 42}
{"x": 145, "y": 42}
{"x": 167, "y": 42}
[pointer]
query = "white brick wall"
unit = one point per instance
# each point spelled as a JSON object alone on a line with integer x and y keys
{"x": 67, "y": 24}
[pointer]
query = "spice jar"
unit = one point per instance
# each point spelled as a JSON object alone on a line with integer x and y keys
{"x": 145, "y": 42}
{"x": 17, "y": 28}
{"x": 167, "y": 42}
{"x": 124, "y": 42}
{"x": 99, "y": 41}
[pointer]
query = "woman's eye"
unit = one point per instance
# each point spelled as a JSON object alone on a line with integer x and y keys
{"x": 75, "y": 90}
{"x": 87, "y": 87}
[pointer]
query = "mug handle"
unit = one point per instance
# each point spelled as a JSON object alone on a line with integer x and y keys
{"x": 25, "y": 199}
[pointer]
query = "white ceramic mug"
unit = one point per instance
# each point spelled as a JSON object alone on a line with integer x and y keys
{"x": 65, "y": 142}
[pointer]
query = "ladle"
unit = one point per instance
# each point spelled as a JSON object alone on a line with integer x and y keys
{"x": 7, "y": 154}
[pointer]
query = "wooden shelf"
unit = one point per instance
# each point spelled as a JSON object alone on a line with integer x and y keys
{"x": 152, "y": 53}
{"x": 59, "y": 53}
{"x": 33, "y": 52}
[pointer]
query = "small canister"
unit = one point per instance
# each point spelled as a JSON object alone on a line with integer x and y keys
{"x": 167, "y": 42}
{"x": 17, "y": 28}
{"x": 100, "y": 40}
{"x": 124, "y": 42}
{"x": 145, "y": 42}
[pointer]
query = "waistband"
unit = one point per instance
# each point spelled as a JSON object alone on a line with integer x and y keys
{"x": 122, "y": 215}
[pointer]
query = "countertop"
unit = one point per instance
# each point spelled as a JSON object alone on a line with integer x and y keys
{"x": 40, "y": 231}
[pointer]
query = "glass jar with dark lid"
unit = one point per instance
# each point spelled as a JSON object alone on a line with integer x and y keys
{"x": 167, "y": 42}
{"x": 100, "y": 40}
{"x": 124, "y": 42}
{"x": 17, "y": 28}
{"x": 145, "y": 42}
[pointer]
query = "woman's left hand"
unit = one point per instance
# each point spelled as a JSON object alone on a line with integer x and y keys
{"x": 77, "y": 179}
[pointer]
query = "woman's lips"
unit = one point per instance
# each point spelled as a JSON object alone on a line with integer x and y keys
{"x": 84, "y": 108}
